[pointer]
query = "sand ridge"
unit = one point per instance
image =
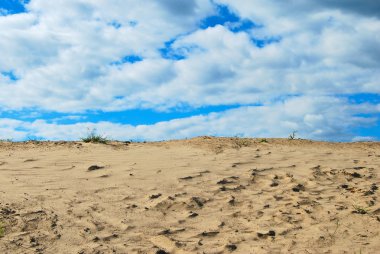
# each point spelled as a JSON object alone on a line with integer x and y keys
{"x": 202, "y": 195}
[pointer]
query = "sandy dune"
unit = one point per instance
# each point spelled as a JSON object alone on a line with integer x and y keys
{"x": 204, "y": 195}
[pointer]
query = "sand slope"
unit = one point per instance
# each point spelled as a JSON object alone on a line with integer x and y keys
{"x": 205, "y": 195}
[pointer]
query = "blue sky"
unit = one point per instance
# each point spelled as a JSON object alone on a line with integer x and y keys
{"x": 171, "y": 69}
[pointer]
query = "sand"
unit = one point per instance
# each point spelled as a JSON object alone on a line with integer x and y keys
{"x": 204, "y": 195}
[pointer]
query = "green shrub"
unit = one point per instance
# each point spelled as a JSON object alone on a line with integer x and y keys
{"x": 93, "y": 137}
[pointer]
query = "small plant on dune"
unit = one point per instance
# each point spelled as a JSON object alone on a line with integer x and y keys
{"x": 93, "y": 137}
{"x": 241, "y": 142}
{"x": 263, "y": 140}
{"x": 360, "y": 209}
{"x": 6, "y": 140}
{"x": 293, "y": 135}
{"x": 337, "y": 225}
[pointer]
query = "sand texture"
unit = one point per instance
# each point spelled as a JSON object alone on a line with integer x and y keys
{"x": 204, "y": 195}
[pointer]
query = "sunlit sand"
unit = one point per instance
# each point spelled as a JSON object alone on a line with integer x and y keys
{"x": 204, "y": 195}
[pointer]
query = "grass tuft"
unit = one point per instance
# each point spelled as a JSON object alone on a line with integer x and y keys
{"x": 93, "y": 137}
{"x": 241, "y": 142}
{"x": 6, "y": 140}
{"x": 293, "y": 135}
{"x": 360, "y": 209}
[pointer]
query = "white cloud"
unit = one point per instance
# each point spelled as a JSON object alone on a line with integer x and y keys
{"x": 318, "y": 118}
{"x": 63, "y": 55}
{"x": 62, "y": 51}
{"x": 363, "y": 139}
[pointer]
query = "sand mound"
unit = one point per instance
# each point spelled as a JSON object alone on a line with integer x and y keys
{"x": 204, "y": 195}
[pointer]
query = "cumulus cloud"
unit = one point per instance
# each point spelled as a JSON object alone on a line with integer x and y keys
{"x": 318, "y": 118}
{"x": 66, "y": 53}
{"x": 363, "y": 139}
{"x": 72, "y": 56}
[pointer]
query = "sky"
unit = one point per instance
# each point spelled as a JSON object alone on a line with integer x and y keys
{"x": 173, "y": 69}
